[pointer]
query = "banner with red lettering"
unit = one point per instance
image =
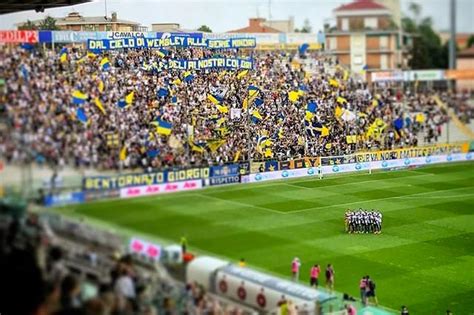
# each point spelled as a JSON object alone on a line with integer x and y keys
{"x": 18, "y": 36}
{"x": 149, "y": 190}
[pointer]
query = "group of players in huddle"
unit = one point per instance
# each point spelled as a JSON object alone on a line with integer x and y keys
{"x": 363, "y": 221}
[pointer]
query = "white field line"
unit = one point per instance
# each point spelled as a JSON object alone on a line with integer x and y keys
{"x": 240, "y": 203}
{"x": 380, "y": 199}
{"x": 365, "y": 181}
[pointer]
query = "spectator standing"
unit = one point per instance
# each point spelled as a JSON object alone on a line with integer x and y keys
{"x": 314, "y": 274}
{"x": 330, "y": 277}
{"x": 295, "y": 269}
{"x": 371, "y": 291}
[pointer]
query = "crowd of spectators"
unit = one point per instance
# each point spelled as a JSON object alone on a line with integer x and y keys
{"x": 39, "y": 277}
{"x": 38, "y": 106}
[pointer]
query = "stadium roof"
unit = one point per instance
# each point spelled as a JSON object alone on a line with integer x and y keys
{"x": 361, "y": 5}
{"x": 10, "y": 6}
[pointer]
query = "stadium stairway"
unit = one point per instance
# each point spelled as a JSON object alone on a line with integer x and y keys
{"x": 457, "y": 131}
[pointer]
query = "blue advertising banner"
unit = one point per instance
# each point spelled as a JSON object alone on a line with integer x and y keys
{"x": 64, "y": 199}
{"x": 225, "y": 170}
{"x": 144, "y": 179}
{"x": 224, "y": 180}
{"x": 45, "y": 36}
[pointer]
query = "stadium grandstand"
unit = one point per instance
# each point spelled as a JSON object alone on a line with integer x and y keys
{"x": 204, "y": 173}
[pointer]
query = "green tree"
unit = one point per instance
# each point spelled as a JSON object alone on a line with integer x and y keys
{"x": 28, "y": 25}
{"x": 204, "y": 28}
{"x": 426, "y": 51}
{"x": 470, "y": 41}
{"x": 49, "y": 23}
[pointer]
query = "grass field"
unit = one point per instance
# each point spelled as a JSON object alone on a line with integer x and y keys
{"x": 424, "y": 258}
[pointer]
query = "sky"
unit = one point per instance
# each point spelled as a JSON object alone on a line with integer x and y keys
{"x": 225, "y": 15}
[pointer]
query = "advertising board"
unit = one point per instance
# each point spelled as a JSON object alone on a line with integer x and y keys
{"x": 144, "y": 248}
{"x": 62, "y": 199}
{"x": 149, "y": 190}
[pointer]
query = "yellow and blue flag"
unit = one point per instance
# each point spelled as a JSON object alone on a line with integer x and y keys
{"x": 216, "y": 100}
{"x": 78, "y": 97}
{"x": 188, "y": 76}
{"x": 256, "y": 116}
{"x": 222, "y": 108}
{"x": 258, "y": 102}
{"x": 163, "y": 127}
{"x": 63, "y": 54}
{"x": 105, "y": 63}
{"x": 162, "y": 52}
{"x": 253, "y": 90}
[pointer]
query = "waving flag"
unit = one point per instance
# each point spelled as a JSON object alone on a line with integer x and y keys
{"x": 398, "y": 123}
{"x": 258, "y": 102}
{"x": 312, "y": 107}
{"x": 163, "y": 127}
{"x": 63, "y": 55}
{"x": 253, "y": 90}
{"x": 122, "y": 104}
{"x": 78, "y": 97}
{"x": 162, "y": 92}
{"x": 188, "y": 76}
{"x": 341, "y": 100}
{"x": 303, "y": 48}
{"x": 129, "y": 98}
{"x": 256, "y": 117}
{"x": 162, "y": 52}
{"x": 293, "y": 96}
{"x": 81, "y": 115}
{"x": 197, "y": 147}
{"x": 99, "y": 105}
{"x": 216, "y": 100}
{"x": 333, "y": 83}
{"x": 123, "y": 154}
{"x": 242, "y": 74}
{"x": 152, "y": 153}
{"x": 105, "y": 63}
{"x": 101, "y": 86}
{"x": 176, "y": 81}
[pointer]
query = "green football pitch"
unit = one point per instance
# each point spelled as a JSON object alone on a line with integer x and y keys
{"x": 424, "y": 257}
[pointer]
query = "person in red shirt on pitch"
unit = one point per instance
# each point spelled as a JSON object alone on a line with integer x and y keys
{"x": 314, "y": 274}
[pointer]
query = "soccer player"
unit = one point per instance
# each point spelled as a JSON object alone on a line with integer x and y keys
{"x": 404, "y": 310}
{"x": 330, "y": 277}
{"x": 314, "y": 273}
{"x": 295, "y": 269}
{"x": 242, "y": 262}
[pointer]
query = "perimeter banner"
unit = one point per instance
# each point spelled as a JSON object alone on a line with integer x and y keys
{"x": 144, "y": 179}
{"x": 394, "y": 154}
